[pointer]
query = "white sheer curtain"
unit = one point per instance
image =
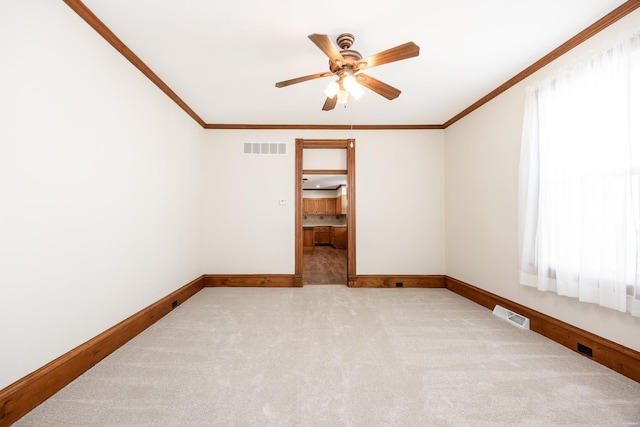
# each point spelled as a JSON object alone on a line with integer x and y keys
{"x": 580, "y": 181}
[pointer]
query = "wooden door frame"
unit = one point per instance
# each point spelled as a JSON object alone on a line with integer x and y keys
{"x": 350, "y": 146}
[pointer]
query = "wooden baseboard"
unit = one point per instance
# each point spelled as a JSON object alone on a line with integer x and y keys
{"x": 252, "y": 280}
{"x": 285, "y": 280}
{"x": 393, "y": 281}
{"x": 19, "y": 398}
{"x": 621, "y": 359}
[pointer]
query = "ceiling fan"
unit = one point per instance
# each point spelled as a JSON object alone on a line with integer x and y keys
{"x": 347, "y": 65}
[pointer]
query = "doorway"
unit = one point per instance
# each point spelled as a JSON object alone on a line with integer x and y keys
{"x": 324, "y": 222}
{"x": 302, "y": 232}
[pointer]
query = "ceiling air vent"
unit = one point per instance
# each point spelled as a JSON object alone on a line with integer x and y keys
{"x": 264, "y": 148}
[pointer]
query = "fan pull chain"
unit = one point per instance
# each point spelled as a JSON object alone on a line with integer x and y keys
{"x": 351, "y": 121}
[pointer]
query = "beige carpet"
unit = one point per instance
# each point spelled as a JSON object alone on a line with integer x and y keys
{"x": 335, "y": 356}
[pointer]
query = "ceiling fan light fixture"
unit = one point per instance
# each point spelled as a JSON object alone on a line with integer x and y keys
{"x": 353, "y": 87}
{"x": 332, "y": 89}
{"x": 345, "y": 64}
{"x": 342, "y": 96}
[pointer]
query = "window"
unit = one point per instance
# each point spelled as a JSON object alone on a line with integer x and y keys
{"x": 579, "y": 214}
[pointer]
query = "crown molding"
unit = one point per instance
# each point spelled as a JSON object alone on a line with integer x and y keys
{"x": 318, "y": 127}
{"x": 593, "y": 29}
{"x": 90, "y": 18}
{"x": 618, "y": 13}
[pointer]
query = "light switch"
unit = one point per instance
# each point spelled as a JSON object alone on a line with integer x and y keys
{"x": 283, "y": 202}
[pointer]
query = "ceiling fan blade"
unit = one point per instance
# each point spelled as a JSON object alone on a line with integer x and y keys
{"x": 303, "y": 79}
{"x": 377, "y": 86}
{"x": 326, "y": 45}
{"x": 398, "y": 53}
{"x": 330, "y": 103}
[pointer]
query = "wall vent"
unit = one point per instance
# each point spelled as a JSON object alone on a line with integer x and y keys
{"x": 511, "y": 317}
{"x": 264, "y": 148}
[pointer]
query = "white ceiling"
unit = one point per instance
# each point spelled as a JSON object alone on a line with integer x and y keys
{"x": 323, "y": 182}
{"x": 223, "y": 58}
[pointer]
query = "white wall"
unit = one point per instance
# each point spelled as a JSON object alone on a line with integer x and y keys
{"x": 99, "y": 187}
{"x": 325, "y": 158}
{"x": 482, "y": 155}
{"x": 246, "y": 231}
{"x": 400, "y": 203}
{"x": 320, "y": 194}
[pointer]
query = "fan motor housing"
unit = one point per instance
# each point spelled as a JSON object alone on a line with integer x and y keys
{"x": 345, "y": 40}
{"x": 351, "y": 57}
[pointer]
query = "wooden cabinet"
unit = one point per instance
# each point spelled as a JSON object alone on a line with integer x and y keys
{"x": 308, "y": 239}
{"x": 330, "y": 206}
{"x": 319, "y": 206}
{"x": 309, "y": 206}
{"x": 323, "y": 235}
{"x": 339, "y": 237}
{"x": 341, "y": 205}
{"x": 313, "y": 206}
